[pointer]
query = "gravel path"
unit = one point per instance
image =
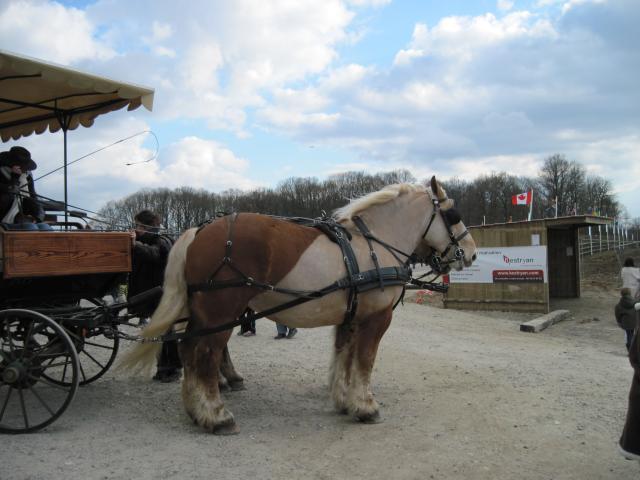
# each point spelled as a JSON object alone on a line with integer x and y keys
{"x": 464, "y": 395}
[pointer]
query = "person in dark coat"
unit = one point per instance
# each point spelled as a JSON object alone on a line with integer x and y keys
{"x": 247, "y": 327}
{"x": 630, "y": 439}
{"x": 626, "y": 315}
{"x": 19, "y": 206}
{"x": 150, "y": 254}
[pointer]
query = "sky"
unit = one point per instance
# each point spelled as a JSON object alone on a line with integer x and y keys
{"x": 250, "y": 92}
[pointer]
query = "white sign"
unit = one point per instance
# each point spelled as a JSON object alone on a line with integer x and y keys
{"x": 535, "y": 239}
{"x": 505, "y": 264}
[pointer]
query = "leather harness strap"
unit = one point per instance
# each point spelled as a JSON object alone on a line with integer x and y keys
{"x": 355, "y": 280}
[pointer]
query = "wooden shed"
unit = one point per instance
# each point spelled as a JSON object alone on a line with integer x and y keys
{"x": 521, "y": 265}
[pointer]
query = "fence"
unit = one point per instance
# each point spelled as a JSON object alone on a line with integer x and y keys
{"x": 605, "y": 237}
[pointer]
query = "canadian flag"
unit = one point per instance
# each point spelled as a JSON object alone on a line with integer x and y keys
{"x": 521, "y": 198}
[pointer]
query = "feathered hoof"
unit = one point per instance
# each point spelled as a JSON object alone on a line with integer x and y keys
{"x": 226, "y": 428}
{"x": 369, "y": 418}
{"x": 237, "y": 386}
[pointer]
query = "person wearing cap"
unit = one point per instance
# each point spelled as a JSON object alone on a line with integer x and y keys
{"x": 19, "y": 207}
{"x": 149, "y": 258}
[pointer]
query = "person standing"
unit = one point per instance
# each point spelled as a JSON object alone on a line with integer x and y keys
{"x": 626, "y": 315}
{"x": 19, "y": 206}
{"x": 630, "y": 439}
{"x": 247, "y": 327}
{"x": 285, "y": 332}
{"x": 149, "y": 258}
{"x": 631, "y": 278}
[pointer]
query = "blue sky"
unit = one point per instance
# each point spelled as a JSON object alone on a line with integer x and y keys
{"x": 250, "y": 92}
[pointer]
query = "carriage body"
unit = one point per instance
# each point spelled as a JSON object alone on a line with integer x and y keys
{"x": 55, "y": 330}
{"x": 60, "y": 266}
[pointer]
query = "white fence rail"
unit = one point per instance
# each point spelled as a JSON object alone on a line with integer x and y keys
{"x": 605, "y": 237}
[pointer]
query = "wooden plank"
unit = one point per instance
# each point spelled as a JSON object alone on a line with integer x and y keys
{"x": 540, "y": 323}
{"x": 38, "y": 254}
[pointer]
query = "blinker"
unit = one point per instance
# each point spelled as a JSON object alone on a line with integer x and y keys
{"x": 453, "y": 216}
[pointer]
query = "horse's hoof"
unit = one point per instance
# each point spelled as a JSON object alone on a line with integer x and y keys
{"x": 237, "y": 386}
{"x": 370, "y": 418}
{"x": 227, "y": 428}
{"x": 342, "y": 410}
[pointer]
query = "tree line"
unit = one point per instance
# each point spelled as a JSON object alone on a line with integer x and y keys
{"x": 486, "y": 199}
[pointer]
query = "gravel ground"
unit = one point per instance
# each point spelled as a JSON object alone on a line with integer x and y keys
{"x": 464, "y": 395}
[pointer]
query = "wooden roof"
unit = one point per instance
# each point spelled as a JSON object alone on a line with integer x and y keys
{"x": 570, "y": 222}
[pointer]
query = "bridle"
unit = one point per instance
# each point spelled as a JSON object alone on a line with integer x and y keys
{"x": 449, "y": 217}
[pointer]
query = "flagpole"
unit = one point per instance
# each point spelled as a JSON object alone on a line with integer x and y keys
{"x": 530, "y": 206}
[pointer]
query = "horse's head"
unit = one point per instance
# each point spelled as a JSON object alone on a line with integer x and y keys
{"x": 446, "y": 241}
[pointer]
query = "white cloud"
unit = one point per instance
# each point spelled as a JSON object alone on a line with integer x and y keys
{"x": 49, "y": 30}
{"x": 460, "y": 38}
{"x": 367, "y": 3}
{"x": 505, "y": 5}
{"x": 576, "y": 3}
{"x": 200, "y": 163}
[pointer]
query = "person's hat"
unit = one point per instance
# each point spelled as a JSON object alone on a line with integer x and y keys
{"x": 18, "y": 156}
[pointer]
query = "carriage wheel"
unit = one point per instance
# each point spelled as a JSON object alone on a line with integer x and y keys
{"x": 33, "y": 350}
{"x": 97, "y": 349}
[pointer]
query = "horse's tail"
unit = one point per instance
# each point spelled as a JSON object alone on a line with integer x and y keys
{"x": 173, "y": 306}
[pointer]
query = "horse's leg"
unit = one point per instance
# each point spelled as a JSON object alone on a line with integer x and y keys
{"x": 340, "y": 371}
{"x": 367, "y": 336}
{"x": 202, "y": 359}
{"x": 233, "y": 379}
{"x": 223, "y": 384}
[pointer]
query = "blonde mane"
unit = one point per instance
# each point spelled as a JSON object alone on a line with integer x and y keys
{"x": 388, "y": 193}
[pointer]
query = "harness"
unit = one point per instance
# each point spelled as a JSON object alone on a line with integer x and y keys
{"x": 355, "y": 281}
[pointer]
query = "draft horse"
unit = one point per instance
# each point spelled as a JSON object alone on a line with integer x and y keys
{"x": 267, "y": 261}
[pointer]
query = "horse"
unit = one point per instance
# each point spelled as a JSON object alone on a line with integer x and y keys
{"x": 264, "y": 259}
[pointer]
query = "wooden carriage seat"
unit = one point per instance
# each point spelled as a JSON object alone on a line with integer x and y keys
{"x": 45, "y": 254}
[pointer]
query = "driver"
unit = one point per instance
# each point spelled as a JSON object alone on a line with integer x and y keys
{"x": 19, "y": 207}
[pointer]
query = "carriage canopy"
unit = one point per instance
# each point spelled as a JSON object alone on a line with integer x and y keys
{"x": 36, "y": 96}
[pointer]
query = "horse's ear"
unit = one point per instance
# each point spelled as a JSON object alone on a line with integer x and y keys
{"x": 434, "y": 186}
{"x": 437, "y": 190}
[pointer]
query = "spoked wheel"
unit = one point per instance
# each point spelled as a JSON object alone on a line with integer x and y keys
{"x": 33, "y": 351}
{"x": 97, "y": 349}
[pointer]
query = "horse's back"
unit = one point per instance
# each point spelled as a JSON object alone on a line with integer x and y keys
{"x": 262, "y": 247}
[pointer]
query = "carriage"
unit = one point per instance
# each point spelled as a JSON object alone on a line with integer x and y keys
{"x": 56, "y": 333}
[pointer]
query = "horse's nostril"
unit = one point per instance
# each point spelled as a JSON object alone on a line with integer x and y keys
{"x": 474, "y": 257}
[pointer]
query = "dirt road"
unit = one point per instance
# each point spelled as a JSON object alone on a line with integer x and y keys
{"x": 464, "y": 395}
